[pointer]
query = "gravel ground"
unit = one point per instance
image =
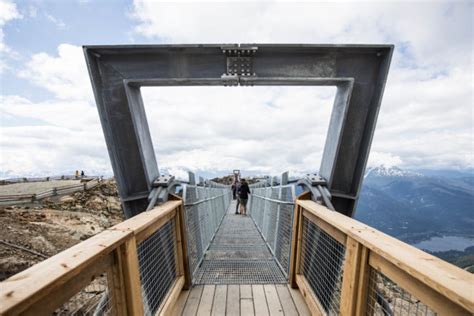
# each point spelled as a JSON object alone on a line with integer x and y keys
{"x": 54, "y": 224}
{"x": 34, "y": 187}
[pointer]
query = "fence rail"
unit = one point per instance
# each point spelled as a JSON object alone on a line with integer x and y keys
{"x": 136, "y": 267}
{"x": 343, "y": 267}
{"x": 43, "y": 179}
{"x": 13, "y": 199}
{"x": 271, "y": 209}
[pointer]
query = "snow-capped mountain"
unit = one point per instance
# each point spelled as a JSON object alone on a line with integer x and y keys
{"x": 383, "y": 171}
{"x": 410, "y": 205}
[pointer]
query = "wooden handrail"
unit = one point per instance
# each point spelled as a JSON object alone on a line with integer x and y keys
{"x": 366, "y": 246}
{"x": 47, "y": 285}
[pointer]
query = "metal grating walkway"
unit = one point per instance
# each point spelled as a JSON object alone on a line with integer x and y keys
{"x": 238, "y": 255}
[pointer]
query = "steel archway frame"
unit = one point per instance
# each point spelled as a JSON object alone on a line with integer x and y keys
{"x": 358, "y": 71}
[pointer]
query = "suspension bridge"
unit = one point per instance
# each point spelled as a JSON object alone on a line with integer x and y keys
{"x": 182, "y": 249}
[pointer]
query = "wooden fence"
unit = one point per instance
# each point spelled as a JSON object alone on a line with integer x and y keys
{"x": 14, "y": 199}
{"x": 103, "y": 274}
{"x": 362, "y": 271}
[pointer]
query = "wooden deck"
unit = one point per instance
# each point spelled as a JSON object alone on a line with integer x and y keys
{"x": 234, "y": 299}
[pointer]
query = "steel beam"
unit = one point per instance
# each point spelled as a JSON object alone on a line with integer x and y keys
{"x": 358, "y": 71}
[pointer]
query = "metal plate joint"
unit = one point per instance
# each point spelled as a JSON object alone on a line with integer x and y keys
{"x": 240, "y": 60}
{"x": 163, "y": 181}
{"x": 316, "y": 179}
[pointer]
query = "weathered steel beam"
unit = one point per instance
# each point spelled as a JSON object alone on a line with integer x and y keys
{"x": 358, "y": 71}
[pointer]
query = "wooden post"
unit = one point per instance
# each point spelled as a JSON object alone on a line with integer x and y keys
{"x": 184, "y": 241}
{"x": 294, "y": 246}
{"x": 116, "y": 285}
{"x": 131, "y": 276}
{"x": 297, "y": 222}
{"x": 364, "y": 283}
{"x": 350, "y": 279}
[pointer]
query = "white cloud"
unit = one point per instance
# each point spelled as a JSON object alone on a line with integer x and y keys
{"x": 386, "y": 159}
{"x": 426, "y": 118}
{"x": 64, "y": 75}
{"x": 260, "y": 129}
{"x": 58, "y": 135}
{"x": 8, "y": 12}
{"x": 65, "y": 136}
{"x": 58, "y": 22}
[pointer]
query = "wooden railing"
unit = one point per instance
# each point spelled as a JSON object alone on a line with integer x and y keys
{"x": 104, "y": 273}
{"x": 362, "y": 271}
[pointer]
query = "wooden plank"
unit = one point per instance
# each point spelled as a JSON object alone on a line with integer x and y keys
{"x": 155, "y": 225}
{"x": 330, "y": 230}
{"x": 180, "y": 303}
{"x": 192, "y": 304}
{"x": 131, "y": 276}
{"x": 184, "y": 246}
{"x": 294, "y": 239}
{"x": 24, "y": 289}
{"x": 308, "y": 295}
{"x": 233, "y": 300}
{"x": 289, "y": 308}
{"x": 350, "y": 279}
{"x": 48, "y": 304}
{"x": 274, "y": 306}
{"x": 220, "y": 300}
{"x": 207, "y": 298}
{"x": 116, "y": 286}
{"x": 178, "y": 246}
{"x": 259, "y": 300}
{"x": 146, "y": 223}
{"x": 300, "y": 303}
{"x": 246, "y": 307}
{"x": 364, "y": 281}
{"x": 299, "y": 242}
{"x": 425, "y": 294}
{"x": 294, "y": 246}
{"x": 245, "y": 291}
{"x": 445, "y": 278}
{"x": 172, "y": 297}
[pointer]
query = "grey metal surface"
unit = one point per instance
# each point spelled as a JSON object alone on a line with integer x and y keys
{"x": 239, "y": 272}
{"x": 358, "y": 71}
{"x": 238, "y": 255}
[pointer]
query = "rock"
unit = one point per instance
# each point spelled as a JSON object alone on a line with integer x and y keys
{"x": 84, "y": 237}
{"x": 66, "y": 199}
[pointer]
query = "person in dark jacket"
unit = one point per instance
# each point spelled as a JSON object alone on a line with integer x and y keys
{"x": 244, "y": 196}
{"x": 237, "y": 191}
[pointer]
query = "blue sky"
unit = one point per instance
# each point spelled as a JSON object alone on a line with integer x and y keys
{"x": 49, "y": 123}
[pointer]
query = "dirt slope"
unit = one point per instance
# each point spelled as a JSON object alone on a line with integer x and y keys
{"x": 53, "y": 225}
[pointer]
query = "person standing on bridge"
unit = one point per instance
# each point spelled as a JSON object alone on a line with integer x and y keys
{"x": 244, "y": 196}
{"x": 237, "y": 193}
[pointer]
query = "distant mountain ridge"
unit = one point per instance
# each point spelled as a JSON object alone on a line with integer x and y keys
{"x": 413, "y": 206}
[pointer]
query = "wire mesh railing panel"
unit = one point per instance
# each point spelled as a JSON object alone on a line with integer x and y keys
{"x": 272, "y": 211}
{"x": 283, "y": 238}
{"x": 94, "y": 299}
{"x": 204, "y": 209}
{"x": 193, "y": 228}
{"x": 157, "y": 261}
{"x": 284, "y": 228}
{"x": 385, "y": 297}
{"x": 321, "y": 263}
